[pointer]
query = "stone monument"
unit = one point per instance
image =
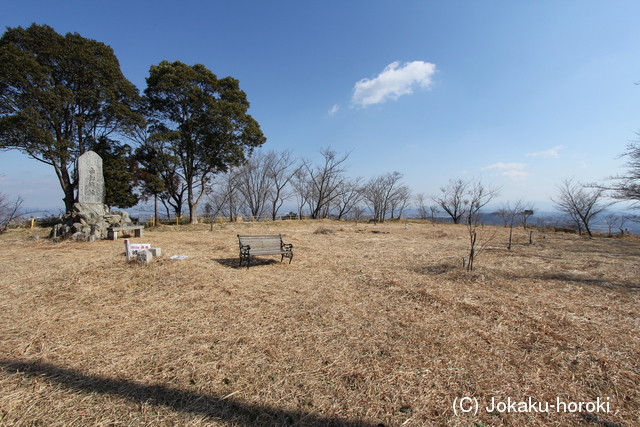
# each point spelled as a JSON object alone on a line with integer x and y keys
{"x": 91, "y": 183}
{"x": 89, "y": 218}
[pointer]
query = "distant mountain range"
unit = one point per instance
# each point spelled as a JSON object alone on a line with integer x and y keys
{"x": 599, "y": 224}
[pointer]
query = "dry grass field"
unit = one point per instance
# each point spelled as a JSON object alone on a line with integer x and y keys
{"x": 369, "y": 325}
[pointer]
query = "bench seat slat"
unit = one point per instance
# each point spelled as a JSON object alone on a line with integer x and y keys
{"x": 127, "y": 227}
{"x": 268, "y": 252}
{"x": 112, "y": 232}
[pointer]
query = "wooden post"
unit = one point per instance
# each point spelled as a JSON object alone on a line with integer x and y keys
{"x": 127, "y": 251}
{"x": 33, "y": 220}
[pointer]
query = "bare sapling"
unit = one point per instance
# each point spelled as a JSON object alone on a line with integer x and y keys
{"x": 477, "y": 197}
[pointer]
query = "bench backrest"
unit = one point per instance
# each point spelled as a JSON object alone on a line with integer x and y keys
{"x": 260, "y": 242}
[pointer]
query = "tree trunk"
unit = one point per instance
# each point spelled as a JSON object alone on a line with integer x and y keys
{"x": 155, "y": 210}
{"x": 472, "y": 251}
{"x": 69, "y": 199}
{"x": 588, "y": 230}
{"x": 68, "y": 187}
{"x": 193, "y": 214}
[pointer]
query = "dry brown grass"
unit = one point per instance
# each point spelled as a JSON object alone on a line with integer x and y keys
{"x": 361, "y": 329}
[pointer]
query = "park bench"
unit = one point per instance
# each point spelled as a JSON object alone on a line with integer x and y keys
{"x": 264, "y": 245}
{"x": 112, "y": 232}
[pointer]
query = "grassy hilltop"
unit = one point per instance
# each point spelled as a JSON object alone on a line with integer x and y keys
{"x": 369, "y": 325}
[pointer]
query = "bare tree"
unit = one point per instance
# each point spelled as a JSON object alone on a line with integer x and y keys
{"x": 543, "y": 221}
{"x": 385, "y": 194}
{"x": 350, "y": 193}
{"x": 374, "y": 197}
{"x": 504, "y": 213}
{"x": 434, "y": 209}
{"x": 323, "y": 180}
{"x": 357, "y": 212}
{"x": 615, "y": 220}
{"x": 301, "y": 189}
{"x": 623, "y": 220}
{"x": 477, "y": 197}
{"x": 400, "y": 200}
{"x": 223, "y": 196}
{"x": 280, "y": 171}
{"x": 627, "y": 185}
{"x": 511, "y": 214}
{"x": 253, "y": 183}
{"x": 452, "y": 199}
{"x": 9, "y": 211}
{"x": 420, "y": 201}
{"x": 580, "y": 203}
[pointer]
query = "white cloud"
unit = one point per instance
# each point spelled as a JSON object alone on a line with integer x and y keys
{"x": 505, "y": 166}
{"x": 513, "y": 171}
{"x": 549, "y": 153}
{"x": 515, "y": 174}
{"x": 396, "y": 80}
{"x": 334, "y": 109}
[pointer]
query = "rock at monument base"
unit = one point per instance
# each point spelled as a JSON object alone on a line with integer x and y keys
{"x": 93, "y": 226}
{"x": 90, "y": 210}
{"x": 83, "y": 237}
{"x": 144, "y": 257}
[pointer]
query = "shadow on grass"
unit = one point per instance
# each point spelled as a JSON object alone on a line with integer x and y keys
{"x": 214, "y": 407}
{"x": 235, "y": 262}
{"x": 566, "y": 277}
{"x": 591, "y": 418}
{"x": 438, "y": 269}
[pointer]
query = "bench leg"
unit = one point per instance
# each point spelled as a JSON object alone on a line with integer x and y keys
{"x": 112, "y": 235}
{"x": 244, "y": 257}
{"x": 288, "y": 255}
{"x": 137, "y": 232}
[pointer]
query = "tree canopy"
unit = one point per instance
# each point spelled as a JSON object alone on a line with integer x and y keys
{"x": 118, "y": 171}
{"x": 58, "y": 94}
{"x": 203, "y": 120}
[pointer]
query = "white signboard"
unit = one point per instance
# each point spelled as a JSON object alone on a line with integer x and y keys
{"x": 132, "y": 249}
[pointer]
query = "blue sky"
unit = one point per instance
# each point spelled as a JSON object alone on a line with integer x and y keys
{"x": 520, "y": 94}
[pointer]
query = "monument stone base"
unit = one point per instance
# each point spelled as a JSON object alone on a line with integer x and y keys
{"x": 89, "y": 222}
